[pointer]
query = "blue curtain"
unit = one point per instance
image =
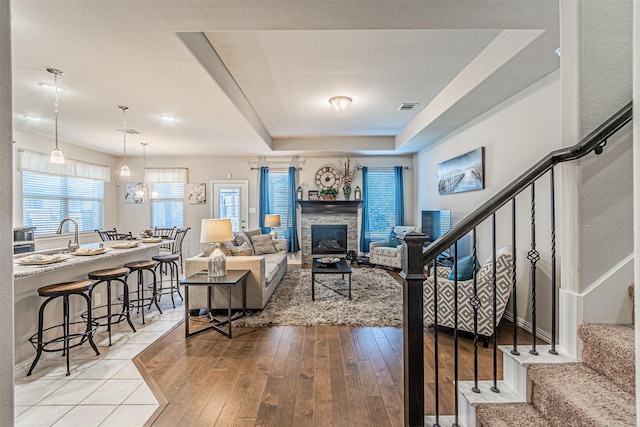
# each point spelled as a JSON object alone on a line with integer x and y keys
{"x": 398, "y": 173}
{"x": 292, "y": 236}
{"x": 263, "y": 208}
{"x": 364, "y": 225}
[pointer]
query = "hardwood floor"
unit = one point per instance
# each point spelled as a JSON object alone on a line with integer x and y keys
{"x": 299, "y": 376}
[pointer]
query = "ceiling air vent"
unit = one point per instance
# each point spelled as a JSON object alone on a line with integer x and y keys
{"x": 130, "y": 131}
{"x": 407, "y": 106}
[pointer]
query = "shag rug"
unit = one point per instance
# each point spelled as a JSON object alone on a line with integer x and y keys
{"x": 376, "y": 301}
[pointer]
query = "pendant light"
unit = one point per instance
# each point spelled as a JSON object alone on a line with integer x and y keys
{"x": 56, "y": 156}
{"x": 142, "y": 192}
{"x": 124, "y": 170}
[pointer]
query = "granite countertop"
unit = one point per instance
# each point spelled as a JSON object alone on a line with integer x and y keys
{"x": 71, "y": 260}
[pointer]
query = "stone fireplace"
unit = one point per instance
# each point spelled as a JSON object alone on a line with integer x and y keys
{"x": 329, "y": 239}
{"x": 327, "y": 213}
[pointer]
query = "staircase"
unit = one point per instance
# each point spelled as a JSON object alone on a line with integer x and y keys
{"x": 599, "y": 391}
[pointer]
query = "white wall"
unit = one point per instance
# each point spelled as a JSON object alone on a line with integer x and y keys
{"x": 515, "y": 134}
{"x": 6, "y": 233}
{"x": 136, "y": 217}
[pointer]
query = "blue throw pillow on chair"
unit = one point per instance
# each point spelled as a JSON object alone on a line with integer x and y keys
{"x": 465, "y": 269}
{"x": 393, "y": 240}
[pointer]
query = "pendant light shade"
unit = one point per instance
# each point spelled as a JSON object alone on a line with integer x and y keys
{"x": 56, "y": 156}
{"x": 124, "y": 170}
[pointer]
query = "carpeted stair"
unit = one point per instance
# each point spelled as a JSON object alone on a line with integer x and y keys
{"x": 600, "y": 391}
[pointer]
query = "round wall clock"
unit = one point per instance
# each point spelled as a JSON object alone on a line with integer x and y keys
{"x": 327, "y": 177}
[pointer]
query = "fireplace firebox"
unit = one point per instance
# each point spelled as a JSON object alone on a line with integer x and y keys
{"x": 329, "y": 239}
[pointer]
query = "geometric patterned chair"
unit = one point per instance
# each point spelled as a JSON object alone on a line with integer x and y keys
{"x": 380, "y": 254}
{"x": 465, "y": 293}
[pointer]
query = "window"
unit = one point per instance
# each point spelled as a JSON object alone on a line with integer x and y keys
{"x": 167, "y": 210}
{"x": 381, "y": 198}
{"x": 279, "y": 200}
{"x": 48, "y": 199}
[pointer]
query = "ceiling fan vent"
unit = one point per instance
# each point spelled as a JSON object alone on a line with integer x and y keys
{"x": 407, "y": 106}
{"x": 130, "y": 131}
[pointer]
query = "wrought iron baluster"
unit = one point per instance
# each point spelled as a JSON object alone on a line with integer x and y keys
{"x": 553, "y": 264}
{"x": 455, "y": 335}
{"x": 534, "y": 257}
{"x": 435, "y": 344}
{"x": 494, "y": 388}
{"x": 475, "y": 304}
{"x": 514, "y": 298}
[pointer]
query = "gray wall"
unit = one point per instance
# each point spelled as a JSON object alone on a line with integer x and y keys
{"x": 596, "y": 64}
{"x": 515, "y": 134}
{"x": 6, "y": 233}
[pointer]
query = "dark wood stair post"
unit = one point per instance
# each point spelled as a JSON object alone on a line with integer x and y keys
{"x": 412, "y": 273}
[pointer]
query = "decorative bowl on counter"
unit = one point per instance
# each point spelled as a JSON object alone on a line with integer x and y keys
{"x": 127, "y": 245}
{"x": 152, "y": 240}
{"x": 90, "y": 251}
{"x": 39, "y": 259}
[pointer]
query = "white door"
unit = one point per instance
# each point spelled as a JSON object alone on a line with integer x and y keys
{"x": 230, "y": 200}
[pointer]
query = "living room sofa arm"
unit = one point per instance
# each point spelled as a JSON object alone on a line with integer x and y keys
{"x": 377, "y": 244}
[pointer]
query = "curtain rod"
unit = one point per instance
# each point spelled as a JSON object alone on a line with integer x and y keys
{"x": 281, "y": 168}
{"x": 385, "y": 167}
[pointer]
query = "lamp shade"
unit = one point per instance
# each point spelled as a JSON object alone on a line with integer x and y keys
{"x": 216, "y": 231}
{"x": 272, "y": 220}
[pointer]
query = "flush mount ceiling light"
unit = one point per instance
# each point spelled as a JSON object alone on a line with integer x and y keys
{"x": 56, "y": 156}
{"x": 124, "y": 170}
{"x": 340, "y": 103}
{"x": 168, "y": 118}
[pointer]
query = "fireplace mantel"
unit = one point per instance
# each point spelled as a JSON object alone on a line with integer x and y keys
{"x": 329, "y": 206}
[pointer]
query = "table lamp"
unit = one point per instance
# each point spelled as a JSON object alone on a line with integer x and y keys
{"x": 216, "y": 231}
{"x": 272, "y": 220}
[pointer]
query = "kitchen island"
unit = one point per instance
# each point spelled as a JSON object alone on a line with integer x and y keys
{"x": 28, "y": 278}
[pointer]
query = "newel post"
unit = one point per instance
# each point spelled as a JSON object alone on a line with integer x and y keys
{"x": 412, "y": 273}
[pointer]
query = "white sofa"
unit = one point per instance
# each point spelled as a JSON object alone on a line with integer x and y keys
{"x": 381, "y": 254}
{"x": 265, "y": 274}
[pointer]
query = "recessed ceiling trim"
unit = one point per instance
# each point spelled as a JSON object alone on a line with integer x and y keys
{"x": 499, "y": 52}
{"x": 204, "y": 52}
{"x": 335, "y": 143}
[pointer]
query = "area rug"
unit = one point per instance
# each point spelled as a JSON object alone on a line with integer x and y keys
{"x": 376, "y": 300}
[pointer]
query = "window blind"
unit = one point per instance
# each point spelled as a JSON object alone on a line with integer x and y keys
{"x": 47, "y": 199}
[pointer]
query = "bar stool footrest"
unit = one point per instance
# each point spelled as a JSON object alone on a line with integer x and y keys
{"x": 83, "y": 336}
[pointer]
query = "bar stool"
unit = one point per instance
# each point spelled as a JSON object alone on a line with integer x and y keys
{"x": 168, "y": 262}
{"x": 107, "y": 276}
{"x": 140, "y": 267}
{"x": 63, "y": 290}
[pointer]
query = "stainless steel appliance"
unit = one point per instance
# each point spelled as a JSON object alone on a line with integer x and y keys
{"x": 24, "y": 240}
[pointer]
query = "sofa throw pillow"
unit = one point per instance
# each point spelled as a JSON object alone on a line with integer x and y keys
{"x": 393, "y": 240}
{"x": 242, "y": 240}
{"x": 243, "y": 250}
{"x": 465, "y": 269}
{"x": 207, "y": 249}
{"x": 263, "y": 244}
{"x": 254, "y": 232}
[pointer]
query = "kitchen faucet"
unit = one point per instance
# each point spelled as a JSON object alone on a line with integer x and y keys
{"x": 72, "y": 246}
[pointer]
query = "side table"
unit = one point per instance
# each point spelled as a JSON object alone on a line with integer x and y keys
{"x": 232, "y": 278}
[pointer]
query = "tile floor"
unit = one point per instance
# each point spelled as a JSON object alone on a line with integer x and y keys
{"x": 105, "y": 390}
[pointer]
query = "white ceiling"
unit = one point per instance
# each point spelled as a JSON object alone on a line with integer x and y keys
{"x": 254, "y": 77}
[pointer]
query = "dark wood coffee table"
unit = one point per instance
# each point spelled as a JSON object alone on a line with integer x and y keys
{"x": 340, "y": 267}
